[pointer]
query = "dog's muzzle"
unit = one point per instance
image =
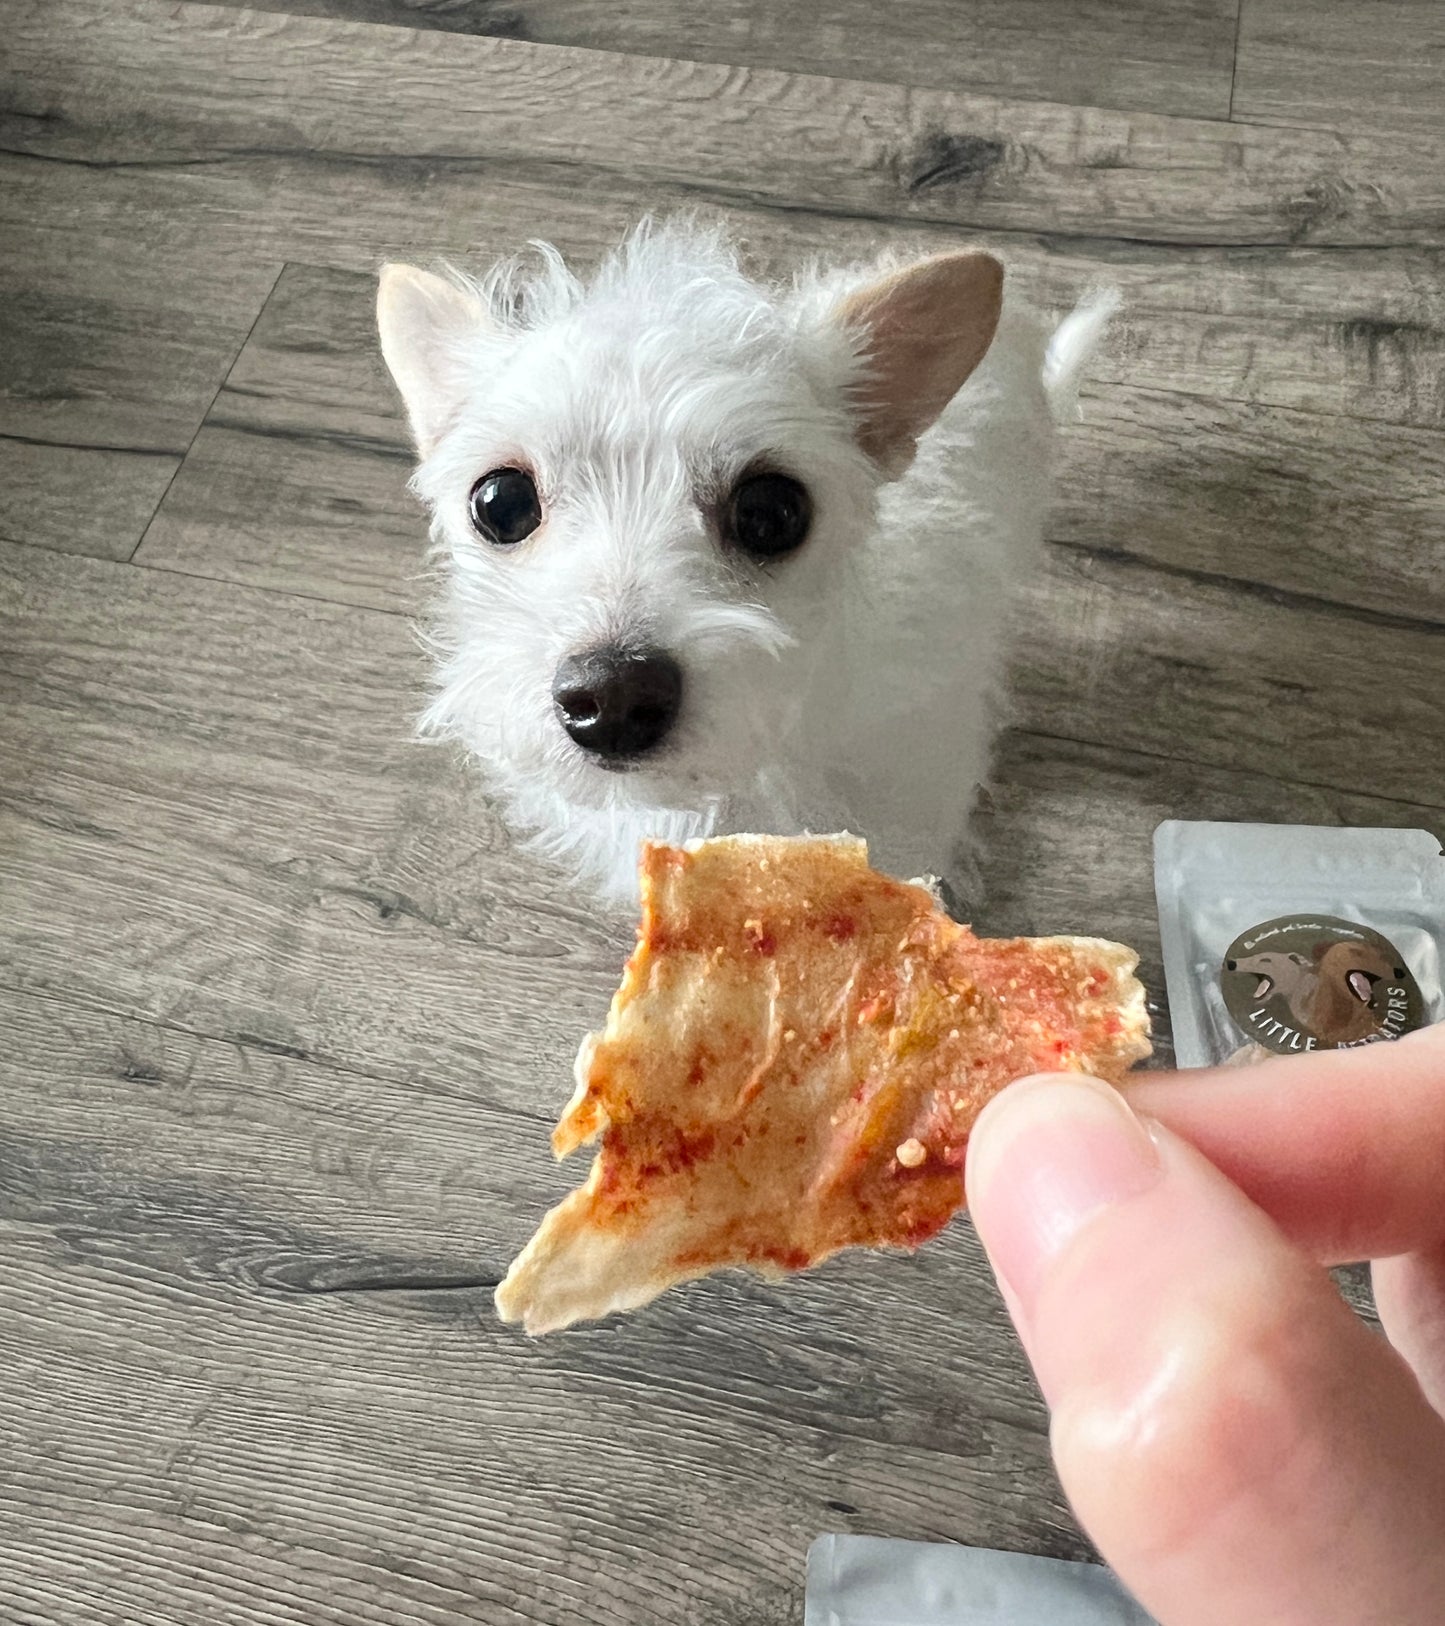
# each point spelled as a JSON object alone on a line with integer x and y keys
{"x": 617, "y": 703}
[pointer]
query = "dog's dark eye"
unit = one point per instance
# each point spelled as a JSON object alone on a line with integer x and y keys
{"x": 768, "y": 515}
{"x": 505, "y": 506}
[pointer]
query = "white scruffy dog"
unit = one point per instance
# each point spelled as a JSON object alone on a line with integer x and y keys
{"x": 722, "y": 557}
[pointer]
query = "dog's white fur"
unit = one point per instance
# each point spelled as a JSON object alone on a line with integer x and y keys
{"x": 846, "y": 686}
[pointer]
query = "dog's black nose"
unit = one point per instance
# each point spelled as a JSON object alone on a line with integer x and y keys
{"x": 618, "y": 702}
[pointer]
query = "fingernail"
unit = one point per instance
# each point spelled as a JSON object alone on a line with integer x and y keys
{"x": 1043, "y": 1159}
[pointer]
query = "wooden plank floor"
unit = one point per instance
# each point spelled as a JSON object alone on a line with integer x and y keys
{"x": 1166, "y": 55}
{"x": 284, "y": 1018}
{"x": 1345, "y": 64}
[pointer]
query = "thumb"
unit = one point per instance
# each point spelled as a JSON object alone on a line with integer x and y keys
{"x": 1239, "y": 1446}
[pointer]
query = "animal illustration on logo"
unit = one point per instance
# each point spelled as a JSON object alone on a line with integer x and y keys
{"x": 1336, "y": 995}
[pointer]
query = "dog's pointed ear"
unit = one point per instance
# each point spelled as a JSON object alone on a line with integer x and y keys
{"x": 425, "y": 321}
{"x": 923, "y": 330}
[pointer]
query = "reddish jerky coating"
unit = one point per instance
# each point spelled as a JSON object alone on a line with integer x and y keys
{"x": 792, "y": 1065}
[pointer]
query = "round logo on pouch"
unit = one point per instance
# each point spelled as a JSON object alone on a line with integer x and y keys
{"x": 1315, "y": 982}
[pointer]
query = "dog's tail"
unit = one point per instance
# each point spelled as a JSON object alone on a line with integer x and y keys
{"x": 1072, "y": 347}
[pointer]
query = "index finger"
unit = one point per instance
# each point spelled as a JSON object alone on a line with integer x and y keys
{"x": 1345, "y": 1149}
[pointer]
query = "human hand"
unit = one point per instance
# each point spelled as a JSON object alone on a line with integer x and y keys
{"x": 1239, "y": 1445}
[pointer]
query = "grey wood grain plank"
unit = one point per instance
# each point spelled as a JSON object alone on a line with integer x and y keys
{"x": 1174, "y": 57}
{"x": 236, "y": 1456}
{"x": 298, "y": 510}
{"x": 298, "y": 478}
{"x": 1314, "y": 329}
{"x": 223, "y": 780}
{"x": 1344, "y": 64}
{"x": 111, "y": 349}
{"x": 192, "y": 86}
{"x": 330, "y": 1180}
{"x": 1121, "y": 652}
{"x": 1315, "y": 504}
{"x": 80, "y": 498}
{"x": 1360, "y": 334}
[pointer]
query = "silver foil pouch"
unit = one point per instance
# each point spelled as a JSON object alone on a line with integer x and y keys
{"x": 1283, "y": 938}
{"x": 868, "y": 1581}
